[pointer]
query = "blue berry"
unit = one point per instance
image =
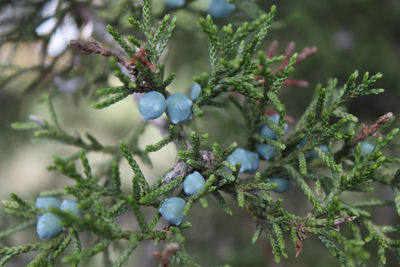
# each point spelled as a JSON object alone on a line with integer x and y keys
{"x": 47, "y": 202}
{"x": 266, "y": 151}
{"x": 179, "y": 108}
{"x": 195, "y": 91}
{"x": 220, "y": 9}
{"x": 193, "y": 182}
{"x": 172, "y": 210}
{"x": 152, "y": 105}
{"x": 314, "y": 155}
{"x": 267, "y": 132}
{"x": 302, "y": 143}
{"x": 174, "y": 3}
{"x": 248, "y": 160}
{"x": 283, "y": 184}
{"x": 366, "y": 148}
{"x": 48, "y": 226}
{"x": 70, "y": 206}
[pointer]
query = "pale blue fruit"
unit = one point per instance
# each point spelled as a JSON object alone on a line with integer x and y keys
{"x": 174, "y": 3}
{"x": 70, "y": 206}
{"x": 172, "y": 210}
{"x": 179, "y": 108}
{"x": 302, "y": 143}
{"x": 249, "y": 161}
{"x": 220, "y": 9}
{"x": 283, "y": 184}
{"x": 314, "y": 155}
{"x": 152, "y": 105}
{"x": 267, "y": 132}
{"x": 193, "y": 183}
{"x": 47, "y": 202}
{"x": 195, "y": 91}
{"x": 49, "y": 226}
{"x": 266, "y": 151}
{"x": 366, "y": 148}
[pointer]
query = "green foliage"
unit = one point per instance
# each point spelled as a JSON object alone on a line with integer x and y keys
{"x": 248, "y": 78}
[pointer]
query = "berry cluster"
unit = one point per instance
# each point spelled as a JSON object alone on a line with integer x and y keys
{"x": 49, "y": 225}
{"x": 249, "y": 161}
{"x": 177, "y": 106}
{"x": 172, "y": 208}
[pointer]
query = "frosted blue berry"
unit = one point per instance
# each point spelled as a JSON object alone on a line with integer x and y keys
{"x": 283, "y": 184}
{"x": 152, "y": 105}
{"x": 48, "y": 226}
{"x": 366, "y": 148}
{"x": 47, "y": 202}
{"x": 220, "y": 9}
{"x": 193, "y": 182}
{"x": 267, "y": 132}
{"x": 174, "y": 3}
{"x": 266, "y": 151}
{"x": 70, "y": 206}
{"x": 314, "y": 155}
{"x": 172, "y": 210}
{"x": 179, "y": 108}
{"x": 195, "y": 91}
{"x": 248, "y": 160}
{"x": 302, "y": 143}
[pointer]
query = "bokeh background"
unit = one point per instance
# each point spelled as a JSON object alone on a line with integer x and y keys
{"x": 349, "y": 35}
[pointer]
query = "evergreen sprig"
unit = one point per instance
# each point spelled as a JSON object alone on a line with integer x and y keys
{"x": 248, "y": 78}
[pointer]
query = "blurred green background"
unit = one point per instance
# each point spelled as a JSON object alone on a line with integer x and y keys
{"x": 349, "y": 35}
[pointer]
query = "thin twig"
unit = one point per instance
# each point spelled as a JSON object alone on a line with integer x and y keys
{"x": 372, "y": 130}
{"x": 93, "y": 47}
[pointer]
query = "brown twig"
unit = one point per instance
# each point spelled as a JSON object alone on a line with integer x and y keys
{"x": 298, "y": 83}
{"x": 93, "y": 47}
{"x": 302, "y": 229}
{"x": 372, "y": 130}
{"x": 181, "y": 169}
{"x": 307, "y": 51}
{"x": 166, "y": 256}
{"x": 272, "y": 49}
{"x": 288, "y": 54}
